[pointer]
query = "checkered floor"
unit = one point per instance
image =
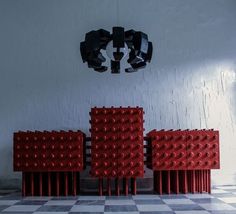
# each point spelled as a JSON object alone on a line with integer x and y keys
{"x": 221, "y": 201}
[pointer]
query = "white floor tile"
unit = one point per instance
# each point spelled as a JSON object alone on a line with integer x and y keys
{"x": 217, "y": 206}
{"x": 119, "y": 202}
{"x": 192, "y": 212}
{"x": 22, "y": 208}
{"x": 84, "y": 208}
{"x": 91, "y": 198}
{"x": 144, "y": 197}
{"x": 38, "y": 198}
{"x": 195, "y": 196}
{"x": 178, "y": 201}
{"x": 61, "y": 202}
{"x": 226, "y": 187}
{"x": 158, "y": 207}
{"x": 50, "y": 212}
{"x": 228, "y": 200}
{"x": 218, "y": 191}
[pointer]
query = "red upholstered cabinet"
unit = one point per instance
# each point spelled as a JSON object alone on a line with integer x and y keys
{"x": 50, "y": 162}
{"x": 117, "y": 142}
{"x": 183, "y": 149}
{"x": 182, "y": 159}
{"x": 49, "y": 151}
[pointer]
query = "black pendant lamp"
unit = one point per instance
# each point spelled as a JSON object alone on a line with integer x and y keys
{"x": 117, "y": 46}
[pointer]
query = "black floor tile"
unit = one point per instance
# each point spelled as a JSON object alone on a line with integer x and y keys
{"x": 122, "y": 197}
{"x": 30, "y": 202}
{"x": 17, "y": 212}
{"x": 65, "y": 198}
{"x": 85, "y": 213}
{"x": 233, "y": 205}
{"x": 185, "y": 207}
{"x": 3, "y": 207}
{"x": 149, "y": 201}
{"x": 158, "y": 212}
{"x": 120, "y": 208}
{"x": 173, "y": 196}
{"x": 90, "y": 202}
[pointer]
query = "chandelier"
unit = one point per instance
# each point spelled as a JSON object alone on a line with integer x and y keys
{"x": 117, "y": 45}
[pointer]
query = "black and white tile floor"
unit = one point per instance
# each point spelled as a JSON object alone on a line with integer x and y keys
{"x": 221, "y": 201}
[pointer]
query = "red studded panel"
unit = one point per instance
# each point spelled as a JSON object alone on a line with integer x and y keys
{"x": 104, "y": 159}
{"x": 169, "y": 150}
{"x": 117, "y": 142}
{"x": 49, "y": 151}
{"x": 182, "y": 150}
{"x": 203, "y": 149}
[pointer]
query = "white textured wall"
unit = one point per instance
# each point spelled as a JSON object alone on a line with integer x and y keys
{"x": 189, "y": 84}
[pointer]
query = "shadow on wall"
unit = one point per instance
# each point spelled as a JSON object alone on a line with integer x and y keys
{"x": 233, "y": 99}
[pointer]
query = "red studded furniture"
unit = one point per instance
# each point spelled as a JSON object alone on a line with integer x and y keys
{"x": 182, "y": 160}
{"x": 117, "y": 146}
{"x": 50, "y": 161}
